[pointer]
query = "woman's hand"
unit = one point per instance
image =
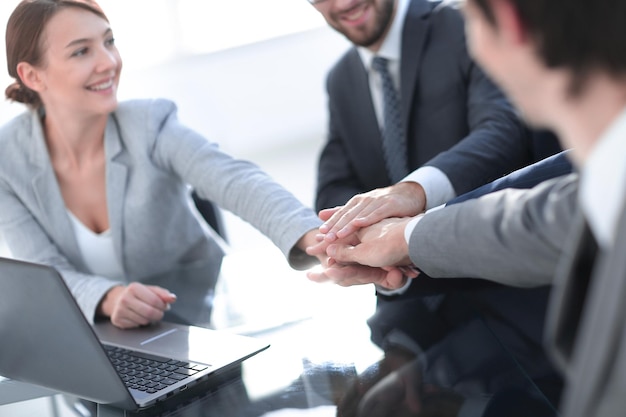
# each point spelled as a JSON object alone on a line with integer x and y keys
{"x": 135, "y": 305}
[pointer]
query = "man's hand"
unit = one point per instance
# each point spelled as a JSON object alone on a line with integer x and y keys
{"x": 380, "y": 245}
{"x": 377, "y": 255}
{"x": 353, "y": 274}
{"x": 135, "y": 305}
{"x": 405, "y": 199}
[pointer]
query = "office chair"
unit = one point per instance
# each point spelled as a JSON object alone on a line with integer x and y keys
{"x": 210, "y": 213}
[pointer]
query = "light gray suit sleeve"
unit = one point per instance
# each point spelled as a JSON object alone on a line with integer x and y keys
{"x": 512, "y": 236}
{"x": 235, "y": 185}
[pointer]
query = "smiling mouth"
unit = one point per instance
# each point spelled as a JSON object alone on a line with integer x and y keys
{"x": 355, "y": 14}
{"x": 102, "y": 86}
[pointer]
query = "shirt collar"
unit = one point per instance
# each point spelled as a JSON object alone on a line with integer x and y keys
{"x": 603, "y": 183}
{"x": 392, "y": 45}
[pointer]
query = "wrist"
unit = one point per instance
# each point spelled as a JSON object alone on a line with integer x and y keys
{"x": 108, "y": 302}
{"x": 417, "y": 194}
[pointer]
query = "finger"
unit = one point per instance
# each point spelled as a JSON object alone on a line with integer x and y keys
{"x": 327, "y": 214}
{"x": 367, "y": 216}
{"x": 316, "y": 250}
{"x": 346, "y": 254}
{"x": 126, "y": 318}
{"x": 143, "y": 301}
{"x": 165, "y": 295}
{"x": 394, "y": 279}
{"x": 342, "y": 218}
{"x": 317, "y": 276}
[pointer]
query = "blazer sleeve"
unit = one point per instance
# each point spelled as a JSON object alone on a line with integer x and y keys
{"x": 497, "y": 141}
{"x": 512, "y": 237}
{"x": 235, "y": 185}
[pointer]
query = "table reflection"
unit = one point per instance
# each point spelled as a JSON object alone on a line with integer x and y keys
{"x": 397, "y": 382}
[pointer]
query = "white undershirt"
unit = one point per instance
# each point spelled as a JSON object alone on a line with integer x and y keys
{"x": 97, "y": 250}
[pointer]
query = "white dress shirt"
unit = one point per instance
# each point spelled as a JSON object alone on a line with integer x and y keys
{"x": 437, "y": 186}
{"x": 603, "y": 183}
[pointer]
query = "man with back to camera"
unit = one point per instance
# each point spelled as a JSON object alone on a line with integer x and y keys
{"x": 559, "y": 66}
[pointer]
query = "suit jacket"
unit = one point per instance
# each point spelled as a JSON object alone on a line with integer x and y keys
{"x": 151, "y": 160}
{"x": 587, "y": 323}
{"x": 513, "y": 237}
{"x": 455, "y": 119}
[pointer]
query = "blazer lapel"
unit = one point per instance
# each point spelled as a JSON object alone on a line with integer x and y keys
{"x": 598, "y": 328}
{"x": 414, "y": 35}
{"x": 48, "y": 195}
{"x": 116, "y": 178}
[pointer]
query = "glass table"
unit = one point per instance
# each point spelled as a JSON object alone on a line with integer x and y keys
{"x": 322, "y": 362}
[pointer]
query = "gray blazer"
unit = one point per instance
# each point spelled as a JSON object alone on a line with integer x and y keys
{"x": 513, "y": 237}
{"x": 587, "y": 327}
{"x": 151, "y": 160}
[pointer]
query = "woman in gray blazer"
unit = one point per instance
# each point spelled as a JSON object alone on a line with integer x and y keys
{"x": 99, "y": 189}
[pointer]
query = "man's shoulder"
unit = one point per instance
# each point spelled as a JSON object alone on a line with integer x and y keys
{"x": 345, "y": 66}
{"x": 444, "y": 13}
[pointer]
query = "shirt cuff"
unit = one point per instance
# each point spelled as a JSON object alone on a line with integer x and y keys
{"x": 436, "y": 185}
{"x": 408, "y": 229}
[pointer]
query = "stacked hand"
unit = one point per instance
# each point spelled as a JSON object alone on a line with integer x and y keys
{"x": 365, "y": 238}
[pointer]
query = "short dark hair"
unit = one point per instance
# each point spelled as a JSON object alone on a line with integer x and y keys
{"x": 24, "y": 43}
{"x": 578, "y": 35}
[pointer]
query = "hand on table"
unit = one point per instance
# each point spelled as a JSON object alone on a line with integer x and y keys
{"x": 135, "y": 305}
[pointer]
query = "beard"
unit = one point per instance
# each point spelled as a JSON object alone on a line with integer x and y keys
{"x": 371, "y": 34}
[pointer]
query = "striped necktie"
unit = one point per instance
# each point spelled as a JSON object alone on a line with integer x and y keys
{"x": 394, "y": 142}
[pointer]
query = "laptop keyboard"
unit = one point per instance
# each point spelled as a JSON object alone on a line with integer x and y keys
{"x": 150, "y": 373}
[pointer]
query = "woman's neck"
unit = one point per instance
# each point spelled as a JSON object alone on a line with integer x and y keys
{"x": 73, "y": 141}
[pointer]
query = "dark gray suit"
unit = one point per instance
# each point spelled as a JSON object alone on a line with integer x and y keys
{"x": 447, "y": 102}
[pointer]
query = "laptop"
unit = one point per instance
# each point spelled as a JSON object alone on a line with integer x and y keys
{"x": 46, "y": 340}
